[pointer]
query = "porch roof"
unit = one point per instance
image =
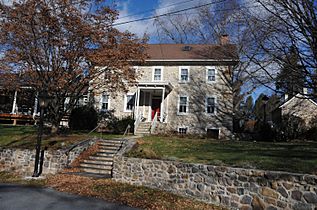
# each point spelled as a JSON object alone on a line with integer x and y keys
{"x": 154, "y": 85}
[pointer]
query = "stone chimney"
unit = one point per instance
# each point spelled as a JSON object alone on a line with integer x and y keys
{"x": 285, "y": 96}
{"x": 224, "y": 39}
{"x": 305, "y": 92}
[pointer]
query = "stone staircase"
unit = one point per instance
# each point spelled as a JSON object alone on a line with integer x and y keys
{"x": 143, "y": 128}
{"x": 101, "y": 164}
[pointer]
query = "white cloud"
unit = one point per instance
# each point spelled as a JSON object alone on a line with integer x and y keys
{"x": 140, "y": 27}
{"x": 147, "y": 26}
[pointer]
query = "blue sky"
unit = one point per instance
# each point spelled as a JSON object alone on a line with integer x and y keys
{"x": 131, "y": 7}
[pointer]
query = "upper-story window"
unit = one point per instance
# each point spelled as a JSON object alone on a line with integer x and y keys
{"x": 183, "y": 105}
{"x": 129, "y": 102}
{"x": 210, "y": 105}
{"x": 183, "y": 74}
{"x": 104, "y": 102}
{"x": 157, "y": 73}
{"x": 211, "y": 74}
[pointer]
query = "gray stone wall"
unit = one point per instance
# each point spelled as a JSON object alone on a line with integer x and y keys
{"x": 22, "y": 160}
{"x": 235, "y": 188}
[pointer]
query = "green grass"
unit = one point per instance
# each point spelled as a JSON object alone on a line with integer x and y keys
{"x": 25, "y": 137}
{"x": 298, "y": 157}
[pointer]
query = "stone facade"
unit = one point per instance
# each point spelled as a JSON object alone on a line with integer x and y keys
{"x": 22, "y": 160}
{"x": 197, "y": 121}
{"x": 302, "y": 108}
{"x": 235, "y": 188}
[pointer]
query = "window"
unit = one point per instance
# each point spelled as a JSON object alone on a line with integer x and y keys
{"x": 210, "y": 105}
{"x": 183, "y": 74}
{"x": 129, "y": 102}
{"x": 182, "y": 130}
{"x": 157, "y": 73}
{"x": 183, "y": 105}
{"x": 211, "y": 74}
{"x": 104, "y": 102}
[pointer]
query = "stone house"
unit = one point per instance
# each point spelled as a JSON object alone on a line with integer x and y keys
{"x": 182, "y": 89}
{"x": 298, "y": 106}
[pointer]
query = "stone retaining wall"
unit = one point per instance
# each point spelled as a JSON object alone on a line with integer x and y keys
{"x": 22, "y": 160}
{"x": 231, "y": 187}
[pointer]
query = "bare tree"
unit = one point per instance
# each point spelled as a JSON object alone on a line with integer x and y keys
{"x": 286, "y": 27}
{"x": 206, "y": 26}
{"x": 59, "y": 46}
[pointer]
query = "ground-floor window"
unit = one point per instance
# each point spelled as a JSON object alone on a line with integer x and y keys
{"x": 129, "y": 102}
{"x": 182, "y": 130}
{"x": 210, "y": 105}
{"x": 183, "y": 105}
{"x": 213, "y": 133}
{"x": 104, "y": 102}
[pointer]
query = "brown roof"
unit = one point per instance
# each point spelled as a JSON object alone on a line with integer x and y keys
{"x": 196, "y": 51}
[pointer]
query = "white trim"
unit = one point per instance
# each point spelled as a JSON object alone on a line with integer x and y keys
{"x": 180, "y": 74}
{"x": 216, "y": 102}
{"x": 186, "y": 127}
{"x": 214, "y": 60}
{"x": 211, "y": 67}
{"x": 100, "y": 102}
{"x": 214, "y": 128}
{"x": 126, "y": 101}
{"x": 162, "y": 73}
{"x": 298, "y": 96}
{"x": 178, "y": 104}
{"x": 136, "y": 68}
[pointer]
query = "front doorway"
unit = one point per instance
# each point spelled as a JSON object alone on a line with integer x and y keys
{"x": 156, "y": 108}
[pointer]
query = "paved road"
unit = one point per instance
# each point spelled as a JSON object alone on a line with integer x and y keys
{"x": 15, "y": 197}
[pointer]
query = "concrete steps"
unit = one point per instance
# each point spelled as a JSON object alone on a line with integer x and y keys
{"x": 143, "y": 128}
{"x": 101, "y": 164}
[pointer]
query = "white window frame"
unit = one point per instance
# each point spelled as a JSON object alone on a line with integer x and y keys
{"x": 186, "y": 127}
{"x": 126, "y": 102}
{"x": 162, "y": 73}
{"x": 206, "y": 104}
{"x": 211, "y": 67}
{"x": 187, "y": 105}
{"x": 180, "y": 74}
{"x": 214, "y": 128}
{"x": 101, "y": 97}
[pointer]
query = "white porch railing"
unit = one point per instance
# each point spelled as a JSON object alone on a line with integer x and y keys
{"x": 137, "y": 122}
{"x": 153, "y": 124}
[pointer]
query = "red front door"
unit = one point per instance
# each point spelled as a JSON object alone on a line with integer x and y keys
{"x": 156, "y": 105}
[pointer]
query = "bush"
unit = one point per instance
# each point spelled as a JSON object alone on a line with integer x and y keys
{"x": 83, "y": 118}
{"x": 114, "y": 124}
{"x": 118, "y": 126}
{"x": 292, "y": 127}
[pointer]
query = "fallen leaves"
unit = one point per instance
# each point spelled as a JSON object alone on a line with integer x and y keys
{"x": 135, "y": 196}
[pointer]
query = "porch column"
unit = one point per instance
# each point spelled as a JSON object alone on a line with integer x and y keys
{"x": 137, "y": 102}
{"x": 162, "y": 105}
{"x": 14, "y": 105}
{"x": 35, "y": 105}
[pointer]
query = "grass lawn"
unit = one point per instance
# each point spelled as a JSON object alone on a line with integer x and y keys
{"x": 25, "y": 137}
{"x": 300, "y": 157}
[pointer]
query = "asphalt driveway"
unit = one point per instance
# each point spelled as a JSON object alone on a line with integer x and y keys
{"x": 16, "y": 197}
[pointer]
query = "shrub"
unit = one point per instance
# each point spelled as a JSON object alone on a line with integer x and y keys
{"x": 119, "y": 126}
{"x": 114, "y": 124}
{"x": 83, "y": 118}
{"x": 292, "y": 127}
